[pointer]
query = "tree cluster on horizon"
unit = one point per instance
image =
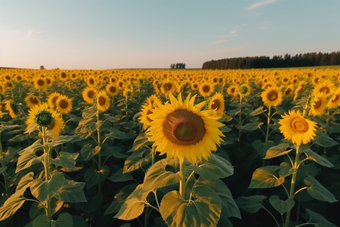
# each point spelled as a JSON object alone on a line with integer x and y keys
{"x": 277, "y": 61}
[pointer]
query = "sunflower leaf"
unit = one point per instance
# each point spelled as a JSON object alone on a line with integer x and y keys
{"x": 317, "y": 158}
{"x": 266, "y": 177}
{"x": 257, "y": 111}
{"x": 65, "y": 159}
{"x": 120, "y": 198}
{"x": 204, "y": 209}
{"x": 137, "y": 159}
{"x": 215, "y": 167}
{"x": 324, "y": 140}
{"x": 158, "y": 176}
{"x": 64, "y": 220}
{"x": 282, "y": 206}
{"x": 317, "y": 191}
{"x": 318, "y": 220}
{"x": 93, "y": 177}
{"x": 249, "y": 127}
{"x": 250, "y": 204}
{"x": 277, "y": 151}
{"x": 11, "y": 205}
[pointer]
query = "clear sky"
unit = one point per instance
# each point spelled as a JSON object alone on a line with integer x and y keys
{"x": 111, "y": 34}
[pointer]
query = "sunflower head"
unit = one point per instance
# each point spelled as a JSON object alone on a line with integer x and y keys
{"x": 206, "y": 89}
{"x": 44, "y": 118}
{"x": 12, "y": 108}
{"x": 217, "y": 103}
{"x": 88, "y": 94}
{"x": 318, "y": 104}
{"x": 272, "y": 96}
{"x": 103, "y": 101}
{"x": 297, "y": 128}
{"x": 334, "y": 101}
{"x": 63, "y": 104}
{"x": 182, "y": 130}
{"x": 32, "y": 100}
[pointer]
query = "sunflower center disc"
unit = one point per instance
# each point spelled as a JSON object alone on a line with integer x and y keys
{"x": 183, "y": 127}
{"x": 34, "y": 100}
{"x": 272, "y": 95}
{"x": 101, "y": 101}
{"x": 325, "y": 90}
{"x": 215, "y": 105}
{"x": 90, "y": 94}
{"x": 51, "y": 126}
{"x": 63, "y": 104}
{"x": 317, "y": 104}
{"x": 335, "y": 98}
{"x": 299, "y": 125}
{"x": 287, "y": 92}
{"x": 149, "y": 112}
{"x": 167, "y": 86}
{"x": 206, "y": 88}
{"x": 91, "y": 81}
{"x": 112, "y": 89}
{"x": 40, "y": 82}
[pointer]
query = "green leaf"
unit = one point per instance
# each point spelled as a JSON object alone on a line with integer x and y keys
{"x": 94, "y": 202}
{"x": 318, "y": 220}
{"x": 11, "y": 205}
{"x": 25, "y": 182}
{"x": 203, "y": 209}
{"x": 258, "y": 111}
{"x": 249, "y": 127}
{"x": 262, "y": 148}
{"x": 250, "y": 204}
{"x": 285, "y": 169}
{"x": 110, "y": 118}
{"x": 87, "y": 152}
{"x": 324, "y": 140}
{"x": 71, "y": 192}
{"x": 9, "y": 154}
{"x": 277, "y": 151}
{"x": 215, "y": 167}
{"x": 28, "y": 157}
{"x": 119, "y": 199}
{"x": 157, "y": 176}
{"x": 137, "y": 159}
{"x": 282, "y": 206}
{"x": 64, "y": 220}
{"x": 133, "y": 205}
{"x": 65, "y": 159}
{"x": 317, "y": 158}
{"x": 229, "y": 206}
{"x": 317, "y": 191}
{"x": 44, "y": 190}
{"x": 266, "y": 177}
{"x": 119, "y": 176}
{"x": 117, "y": 134}
{"x": 93, "y": 177}
{"x": 61, "y": 140}
{"x": 140, "y": 141}
{"x": 3, "y": 169}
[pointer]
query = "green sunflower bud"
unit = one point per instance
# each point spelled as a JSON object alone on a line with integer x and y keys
{"x": 44, "y": 118}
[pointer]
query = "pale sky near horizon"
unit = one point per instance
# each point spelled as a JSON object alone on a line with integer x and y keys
{"x": 112, "y": 34}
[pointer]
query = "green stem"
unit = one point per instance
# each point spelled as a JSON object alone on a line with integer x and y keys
{"x": 99, "y": 164}
{"x": 293, "y": 181}
{"x": 47, "y": 169}
{"x": 6, "y": 186}
{"x": 182, "y": 182}
{"x": 268, "y": 122}
{"x": 240, "y": 122}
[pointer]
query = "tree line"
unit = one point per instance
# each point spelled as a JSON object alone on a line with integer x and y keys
{"x": 277, "y": 61}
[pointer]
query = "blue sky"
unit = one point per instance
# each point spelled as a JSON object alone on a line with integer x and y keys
{"x": 111, "y": 34}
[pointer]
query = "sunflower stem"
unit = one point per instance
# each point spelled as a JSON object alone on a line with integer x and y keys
{"x": 99, "y": 153}
{"x": 182, "y": 182}
{"x": 240, "y": 122}
{"x": 267, "y": 131}
{"x": 47, "y": 169}
{"x": 5, "y": 172}
{"x": 293, "y": 181}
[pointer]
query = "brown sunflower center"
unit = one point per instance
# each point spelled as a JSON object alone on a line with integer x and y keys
{"x": 112, "y": 89}
{"x": 215, "y": 105}
{"x": 167, "y": 86}
{"x": 206, "y": 88}
{"x": 272, "y": 95}
{"x": 63, "y": 104}
{"x": 215, "y": 80}
{"x": 317, "y": 104}
{"x": 40, "y": 82}
{"x": 285, "y": 80}
{"x": 147, "y": 115}
{"x": 48, "y": 81}
{"x": 232, "y": 90}
{"x": 288, "y": 91}
{"x": 195, "y": 86}
{"x": 183, "y": 127}
{"x": 101, "y": 101}
{"x": 335, "y": 98}
{"x": 51, "y": 126}
{"x": 63, "y": 75}
{"x": 91, "y": 81}
{"x": 34, "y": 100}
{"x": 325, "y": 90}
{"x": 90, "y": 94}
{"x": 299, "y": 124}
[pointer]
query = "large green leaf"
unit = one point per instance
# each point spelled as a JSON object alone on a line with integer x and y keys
{"x": 277, "y": 151}
{"x": 285, "y": 169}
{"x": 137, "y": 159}
{"x": 9, "y": 154}
{"x": 140, "y": 141}
{"x": 261, "y": 147}
{"x": 317, "y": 191}
{"x": 133, "y": 205}
{"x": 258, "y": 111}
{"x": 249, "y": 127}
{"x": 215, "y": 167}
{"x": 87, "y": 152}
{"x": 11, "y": 205}
{"x": 250, "y": 204}
{"x": 157, "y": 176}
{"x": 266, "y": 177}
{"x": 317, "y": 220}
{"x": 65, "y": 159}
{"x": 25, "y": 182}
{"x": 61, "y": 140}
{"x": 64, "y": 220}
{"x": 71, "y": 192}
{"x": 317, "y": 158}
{"x": 119, "y": 176}
{"x": 229, "y": 206}
{"x": 282, "y": 206}
{"x": 93, "y": 177}
{"x": 28, "y": 158}
{"x": 324, "y": 140}
{"x": 3, "y": 169}
{"x": 119, "y": 199}
{"x": 203, "y": 209}
{"x": 44, "y": 190}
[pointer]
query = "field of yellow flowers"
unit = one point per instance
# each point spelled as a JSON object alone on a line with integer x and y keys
{"x": 169, "y": 148}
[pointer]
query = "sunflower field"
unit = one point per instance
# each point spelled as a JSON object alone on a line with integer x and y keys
{"x": 169, "y": 148}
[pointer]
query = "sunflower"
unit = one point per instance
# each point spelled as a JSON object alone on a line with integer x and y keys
{"x": 168, "y": 87}
{"x": 10, "y": 85}
{"x": 182, "y": 130}
{"x": 63, "y": 104}
{"x": 334, "y": 101}
{"x": 296, "y": 128}
{"x": 217, "y": 103}
{"x": 327, "y": 87}
{"x": 112, "y": 89}
{"x": 88, "y": 94}
{"x": 12, "y": 108}
{"x": 272, "y": 96}
{"x": 144, "y": 118}
{"x": 2, "y": 88}
{"x": 103, "y": 101}
{"x": 232, "y": 90}
{"x": 92, "y": 81}
{"x": 43, "y": 115}
{"x": 52, "y": 98}
{"x": 318, "y": 104}
{"x": 153, "y": 101}
{"x": 63, "y": 76}
{"x": 206, "y": 89}
{"x": 244, "y": 90}
{"x": 32, "y": 100}
{"x": 40, "y": 83}
{"x": 288, "y": 91}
